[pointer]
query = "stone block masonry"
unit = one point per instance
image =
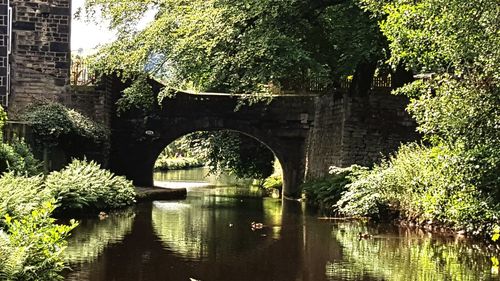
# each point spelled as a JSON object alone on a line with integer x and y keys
{"x": 356, "y": 130}
{"x": 4, "y": 41}
{"x": 41, "y": 54}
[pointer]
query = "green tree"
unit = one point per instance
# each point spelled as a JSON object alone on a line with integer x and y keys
{"x": 241, "y": 155}
{"x": 241, "y": 46}
{"x": 458, "y": 103}
{"x": 454, "y": 178}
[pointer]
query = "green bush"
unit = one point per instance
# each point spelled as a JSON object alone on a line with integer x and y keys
{"x": 424, "y": 184}
{"x": 275, "y": 181}
{"x": 53, "y": 123}
{"x": 325, "y": 192}
{"x": 18, "y": 158}
{"x": 84, "y": 186}
{"x": 166, "y": 163}
{"x": 362, "y": 197}
{"x": 31, "y": 248}
{"x": 20, "y": 195}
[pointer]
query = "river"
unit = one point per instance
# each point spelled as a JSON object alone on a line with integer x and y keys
{"x": 209, "y": 237}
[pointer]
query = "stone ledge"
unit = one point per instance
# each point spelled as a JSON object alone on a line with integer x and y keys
{"x": 158, "y": 193}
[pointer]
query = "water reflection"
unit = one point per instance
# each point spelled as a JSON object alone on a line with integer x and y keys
{"x": 208, "y": 227}
{"x": 404, "y": 254}
{"x": 198, "y": 175}
{"x": 94, "y": 235}
{"x": 208, "y": 237}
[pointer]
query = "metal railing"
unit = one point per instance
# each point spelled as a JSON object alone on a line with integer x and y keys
{"x": 80, "y": 72}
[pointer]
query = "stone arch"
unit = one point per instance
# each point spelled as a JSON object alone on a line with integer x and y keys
{"x": 136, "y": 159}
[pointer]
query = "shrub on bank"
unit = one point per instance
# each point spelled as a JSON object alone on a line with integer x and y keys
{"x": 31, "y": 246}
{"x": 20, "y": 195}
{"x": 325, "y": 192}
{"x": 423, "y": 184}
{"x": 84, "y": 186}
{"x": 274, "y": 181}
{"x": 166, "y": 163}
{"x": 54, "y": 123}
{"x": 18, "y": 158}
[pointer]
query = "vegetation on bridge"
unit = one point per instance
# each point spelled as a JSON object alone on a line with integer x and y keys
{"x": 55, "y": 124}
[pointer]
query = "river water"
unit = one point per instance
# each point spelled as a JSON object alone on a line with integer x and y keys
{"x": 209, "y": 237}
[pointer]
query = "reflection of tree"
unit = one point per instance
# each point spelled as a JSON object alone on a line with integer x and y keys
{"x": 413, "y": 257}
{"x": 93, "y": 236}
{"x": 212, "y": 226}
{"x": 176, "y": 227}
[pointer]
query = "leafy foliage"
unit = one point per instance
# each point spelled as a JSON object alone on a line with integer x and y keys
{"x": 18, "y": 158}
{"x": 455, "y": 179}
{"x": 164, "y": 163}
{"x": 192, "y": 145}
{"x": 185, "y": 152}
{"x": 20, "y": 195}
{"x": 423, "y": 184}
{"x": 32, "y": 247}
{"x": 84, "y": 186}
{"x": 459, "y": 105}
{"x": 273, "y": 182}
{"x": 242, "y": 46}
{"x": 138, "y": 96}
{"x": 3, "y": 119}
{"x": 243, "y": 156}
{"x": 53, "y": 123}
{"x": 325, "y": 192}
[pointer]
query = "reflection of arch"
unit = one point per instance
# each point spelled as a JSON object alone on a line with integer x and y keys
{"x": 198, "y": 230}
{"x": 282, "y": 128}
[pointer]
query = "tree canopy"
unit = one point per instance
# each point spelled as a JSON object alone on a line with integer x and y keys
{"x": 239, "y": 46}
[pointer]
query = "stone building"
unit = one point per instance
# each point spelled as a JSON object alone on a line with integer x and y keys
{"x": 34, "y": 52}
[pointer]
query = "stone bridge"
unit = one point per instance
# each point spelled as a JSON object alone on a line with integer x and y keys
{"x": 283, "y": 125}
{"x": 307, "y": 133}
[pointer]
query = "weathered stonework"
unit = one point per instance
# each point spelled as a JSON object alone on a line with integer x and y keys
{"x": 92, "y": 101}
{"x": 40, "y": 52}
{"x": 357, "y": 130}
{"x": 4, "y": 39}
{"x": 283, "y": 125}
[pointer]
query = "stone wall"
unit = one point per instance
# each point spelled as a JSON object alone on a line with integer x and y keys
{"x": 92, "y": 101}
{"x": 325, "y": 138}
{"x": 40, "y": 52}
{"x": 4, "y": 39}
{"x": 357, "y": 130}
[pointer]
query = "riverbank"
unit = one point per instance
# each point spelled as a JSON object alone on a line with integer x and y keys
{"x": 177, "y": 163}
{"x": 414, "y": 188}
